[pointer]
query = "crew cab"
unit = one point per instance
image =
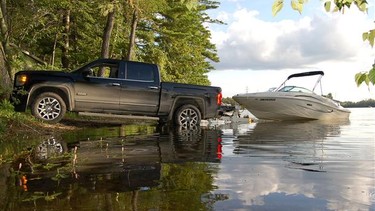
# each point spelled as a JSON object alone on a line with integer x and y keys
{"x": 114, "y": 87}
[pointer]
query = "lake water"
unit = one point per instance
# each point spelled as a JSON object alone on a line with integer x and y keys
{"x": 241, "y": 166}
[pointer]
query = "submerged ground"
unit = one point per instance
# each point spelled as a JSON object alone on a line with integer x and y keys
{"x": 88, "y": 165}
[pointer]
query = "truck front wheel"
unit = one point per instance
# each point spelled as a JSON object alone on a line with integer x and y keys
{"x": 49, "y": 107}
{"x": 187, "y": 116}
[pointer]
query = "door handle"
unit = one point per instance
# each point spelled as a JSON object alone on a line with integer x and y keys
{"x": 115, "y": 84}
{"x": 153, "y": 87}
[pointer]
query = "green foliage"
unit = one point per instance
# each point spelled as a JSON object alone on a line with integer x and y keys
{"x": 6, "y": 115}
{"x": 177, "y": 40}
{"x": 9, "y": 117}
{"x": 43, "y": 37}
{"x": 366, "y": 77}
{"x": 295, "y": 4}
{"x": 5, "y": 92}
{"x": 6, "y": 105}
{"x": 3, "y": 125}
{"x": 360, "y": 78}
{"x": 185, "y": 177}
{"x": 371, "y": 75}
{"x": 340, "y": 5}
{"x": 298, "y": 5}
{"x": 370, "y": 36}
{"x": 13, "y": 143}
{"x": 170, "y": 33}
{"x": 327, "y": 6}
{"x": 277, "y": 6}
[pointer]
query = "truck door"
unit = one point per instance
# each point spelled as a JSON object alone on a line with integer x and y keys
{"x": 140, "y": 89}
{"x": 99, "y": 90}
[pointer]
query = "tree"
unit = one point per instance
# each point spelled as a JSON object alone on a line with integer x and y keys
{"x": 339, "y": 6}
{"x": 5, "y": 59}
{"x": 66, "y": 34}
{"x": 63, "y": 33}
{"x": 180, "y": 42}
{"x": 361, "y": 104}
{"x": 111, "y": 11}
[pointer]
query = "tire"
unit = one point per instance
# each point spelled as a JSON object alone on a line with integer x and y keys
{"x": 187, "y": 117}
{"x": 48, "y": 107}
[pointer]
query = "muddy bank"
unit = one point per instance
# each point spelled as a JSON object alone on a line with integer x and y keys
{"x": 35, "y": 128}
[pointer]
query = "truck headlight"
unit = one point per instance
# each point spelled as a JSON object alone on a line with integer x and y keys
{"x": 21, "y": 80}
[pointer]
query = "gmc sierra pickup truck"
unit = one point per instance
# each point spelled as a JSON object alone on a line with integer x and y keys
{"x": 115, "y": 88}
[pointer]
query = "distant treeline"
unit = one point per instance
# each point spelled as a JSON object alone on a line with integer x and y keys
{"x": 360, "y": 104}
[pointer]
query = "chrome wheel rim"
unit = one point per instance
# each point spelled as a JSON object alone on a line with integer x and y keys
{"x": 188, "y": 118}
{"x": 49, "y": 108}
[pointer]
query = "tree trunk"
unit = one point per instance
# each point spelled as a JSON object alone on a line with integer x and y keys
{"x": 107, "y": 37}
{"x": 3, "y": 23}
{"x": 107, "y": 34}
{"x": 6, "y": 71}
{"x": 5, "y": 79}
{"x": 54, "y": 51}
{"x": 132, "y": 35}
{"x": 65, "y": 46}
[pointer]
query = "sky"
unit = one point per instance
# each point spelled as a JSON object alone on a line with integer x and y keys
{"x": 258, "y": 51}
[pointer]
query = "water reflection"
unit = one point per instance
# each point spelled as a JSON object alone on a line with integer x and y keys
{"x": 254, "y": 166}
{"x": 299, "y": 143}
{"x": 299, "y": 165}
{"x": 96, "y": 172}
{"x": 49, "y": 148}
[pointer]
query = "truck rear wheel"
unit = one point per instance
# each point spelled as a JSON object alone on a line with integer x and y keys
{"x": 187, "y": 116}
{"x": 49, "y": 107}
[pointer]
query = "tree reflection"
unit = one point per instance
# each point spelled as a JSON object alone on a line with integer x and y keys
{"x": 170, "y": 170}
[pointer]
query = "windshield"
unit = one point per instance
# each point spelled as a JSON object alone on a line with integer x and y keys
{"x": 294, "y": 89}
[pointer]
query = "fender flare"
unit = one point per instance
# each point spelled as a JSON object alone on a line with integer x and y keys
{"x": 65, "y": 88}
{"x": 179, "y": 101}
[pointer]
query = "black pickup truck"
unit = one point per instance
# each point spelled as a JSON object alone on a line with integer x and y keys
{"x": 115, "y": 88}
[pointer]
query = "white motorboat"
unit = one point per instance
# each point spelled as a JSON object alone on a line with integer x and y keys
{"x": 293, "y": 102}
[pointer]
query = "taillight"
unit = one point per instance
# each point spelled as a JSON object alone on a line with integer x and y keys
{"x": 21, "y": 80}
{"x": 219, "y": 98}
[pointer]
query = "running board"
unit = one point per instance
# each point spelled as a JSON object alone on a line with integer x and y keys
{"x": 117, "y": 116}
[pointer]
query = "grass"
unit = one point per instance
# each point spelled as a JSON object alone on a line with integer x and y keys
{"x": 20, "y": 131}
{"x": 10, "y": 119}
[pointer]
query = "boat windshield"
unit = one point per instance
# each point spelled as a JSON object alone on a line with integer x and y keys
{"x": 294, "y": 89}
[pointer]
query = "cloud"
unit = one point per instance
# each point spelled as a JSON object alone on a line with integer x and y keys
{"x": 251, "y": 43}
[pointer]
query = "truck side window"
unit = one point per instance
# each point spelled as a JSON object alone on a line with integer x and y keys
{"x": 105, "y": 71}
{"x": 140, "y": 72}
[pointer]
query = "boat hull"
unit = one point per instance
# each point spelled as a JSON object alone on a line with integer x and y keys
{"x": 291, "y": 106}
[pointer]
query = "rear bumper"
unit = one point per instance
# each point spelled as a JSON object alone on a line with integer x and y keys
{"x": 225, "y": 109}
{"x": 216, "y": 113}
